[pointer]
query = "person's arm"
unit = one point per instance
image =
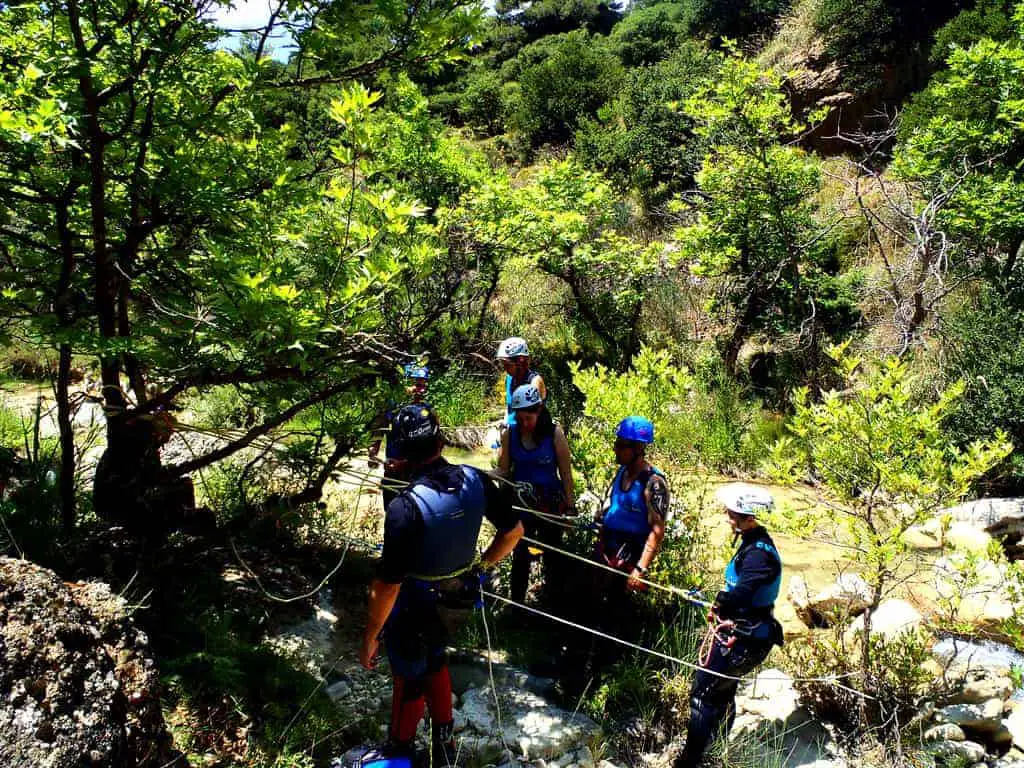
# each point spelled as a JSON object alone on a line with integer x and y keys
{"x": 402, "y": 531}
{"x": 382, "y": 600}
{"x": 564, "y": 467}
{"x": 500, "y": 501}
{"x": 538, "y": 382}
{"x": 757, "y": 569}
{"x": 657, "y": 498}
{"x": 504, "y": 468}
{"x": 501, "y": 545}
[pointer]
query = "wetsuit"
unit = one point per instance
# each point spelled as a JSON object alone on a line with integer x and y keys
{"x": 752, "y": 581}
{"x": 430, "y": 542}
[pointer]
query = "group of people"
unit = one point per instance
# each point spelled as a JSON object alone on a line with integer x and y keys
{"x": 430, "y": 576}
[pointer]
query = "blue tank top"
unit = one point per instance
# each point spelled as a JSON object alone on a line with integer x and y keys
{"x": 539, "y": 466}
{"x": 627, "y": 512}
{"x": 764, "y": 596}
{"x": 451, "y": 521}
{"x": 510, "y": 387}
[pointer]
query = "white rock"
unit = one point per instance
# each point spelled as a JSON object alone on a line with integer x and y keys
{"x": 945, "y": 732}
{"x": 984, "y": 688}
{"x": 968, "y": 538}
{"x": 1014, "y": 723}
{"x": 848, "y": 597}
{"x": 770, "y": 698}
{"x": 339, "y": 690}
{"x": 985, "y": 717}
{"x": 584, "y": 757}
{"x": 891, "y": 619}
{"x": 967, "y": 751}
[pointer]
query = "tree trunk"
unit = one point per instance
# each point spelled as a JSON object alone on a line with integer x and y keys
{"x": 67, "y": 441}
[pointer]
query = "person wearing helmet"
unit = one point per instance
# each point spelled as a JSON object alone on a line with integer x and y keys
{"x": 745, "y": 628}
{"x": 631, "y": 529}
{"x": 633, "y": 521}
{"x": 429, "y": 579}
{"x": 534, "y": 451}
{"x": 514, "y": 354}
{"x": 417, "y": 378}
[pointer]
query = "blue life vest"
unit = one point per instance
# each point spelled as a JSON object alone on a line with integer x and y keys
{"x": 765, "y": 595}
{"x": 538, "y": 467}
{"x": 510, "y": 387}
{"x": 627, "y": 512}
{"x": 451, "y": 526}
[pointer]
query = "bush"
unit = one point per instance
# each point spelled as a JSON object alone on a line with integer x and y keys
{"x": 986, "y": 350}
{"x": 898, "y": 677}
{"x": 30, "y": 521}
{"x": 223, "y": 408}
{"x": 650, "y": 33}
{"x": 639, "y": 140}
{"x": 461, "y": 397}
{"x": 989, "y": 18}
{"x": 701, "y": 419}
{"x": 562, "y": 80}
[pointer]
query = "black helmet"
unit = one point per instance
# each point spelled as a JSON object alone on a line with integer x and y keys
{"x": 417, "y": 430}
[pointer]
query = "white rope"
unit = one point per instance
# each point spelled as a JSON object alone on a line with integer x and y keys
{"x": 830, "y": 679}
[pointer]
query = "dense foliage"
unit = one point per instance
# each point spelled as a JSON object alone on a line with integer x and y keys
{"x": 229, "y": 257}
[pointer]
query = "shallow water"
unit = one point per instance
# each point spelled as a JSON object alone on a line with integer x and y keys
{"x": 981, "y": 653}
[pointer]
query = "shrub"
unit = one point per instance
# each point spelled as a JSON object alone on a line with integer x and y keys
{"x": 568, "y": 78}
{"x": 461, "y": 397}
{"x": 986, "y": 350}
{"x": 701, "y": 419}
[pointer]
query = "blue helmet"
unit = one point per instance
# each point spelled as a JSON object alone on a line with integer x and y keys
{"x": 636, "y": 428}
{"x": 413, "y": 371}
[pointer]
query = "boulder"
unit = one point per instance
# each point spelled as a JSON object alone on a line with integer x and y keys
{"x": 986, "y": 718}
{"x": 769, "y": 698}
{"x": 979, "y": 589}
{"x": 958, "y": 751}
{"x": 968, "y": 538}
{"x": 945, "y": 732}
{"x": 849, "y": 596}
{"x": 77, "y": 679}
{"x": 768, "y": 709}
{"x": 978, "y": 687}
{"x": 891, "y": 619}
{"x": 530, "y": 725}
{"x": 1014, "y": 723}
{"x": 1000, "y": 518}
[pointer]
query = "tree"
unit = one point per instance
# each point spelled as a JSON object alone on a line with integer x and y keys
{"x": 751, "y": 225}
{"x": 639, "y": 140}
{"x": 562, "y": 80}
{"x": 965, "y": 140}
{"x": 887, "y": 463}
{"x": 151, "y": 217}
{"x": 562, "y": 220}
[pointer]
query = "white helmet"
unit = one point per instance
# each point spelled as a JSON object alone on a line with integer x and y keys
{"x": 525, "y": 396}
{"x": 744, "y": 499}
{"x": 513, "y": 347}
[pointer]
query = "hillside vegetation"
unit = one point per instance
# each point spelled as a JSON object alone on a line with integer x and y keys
{"x": 790, "y": 233}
